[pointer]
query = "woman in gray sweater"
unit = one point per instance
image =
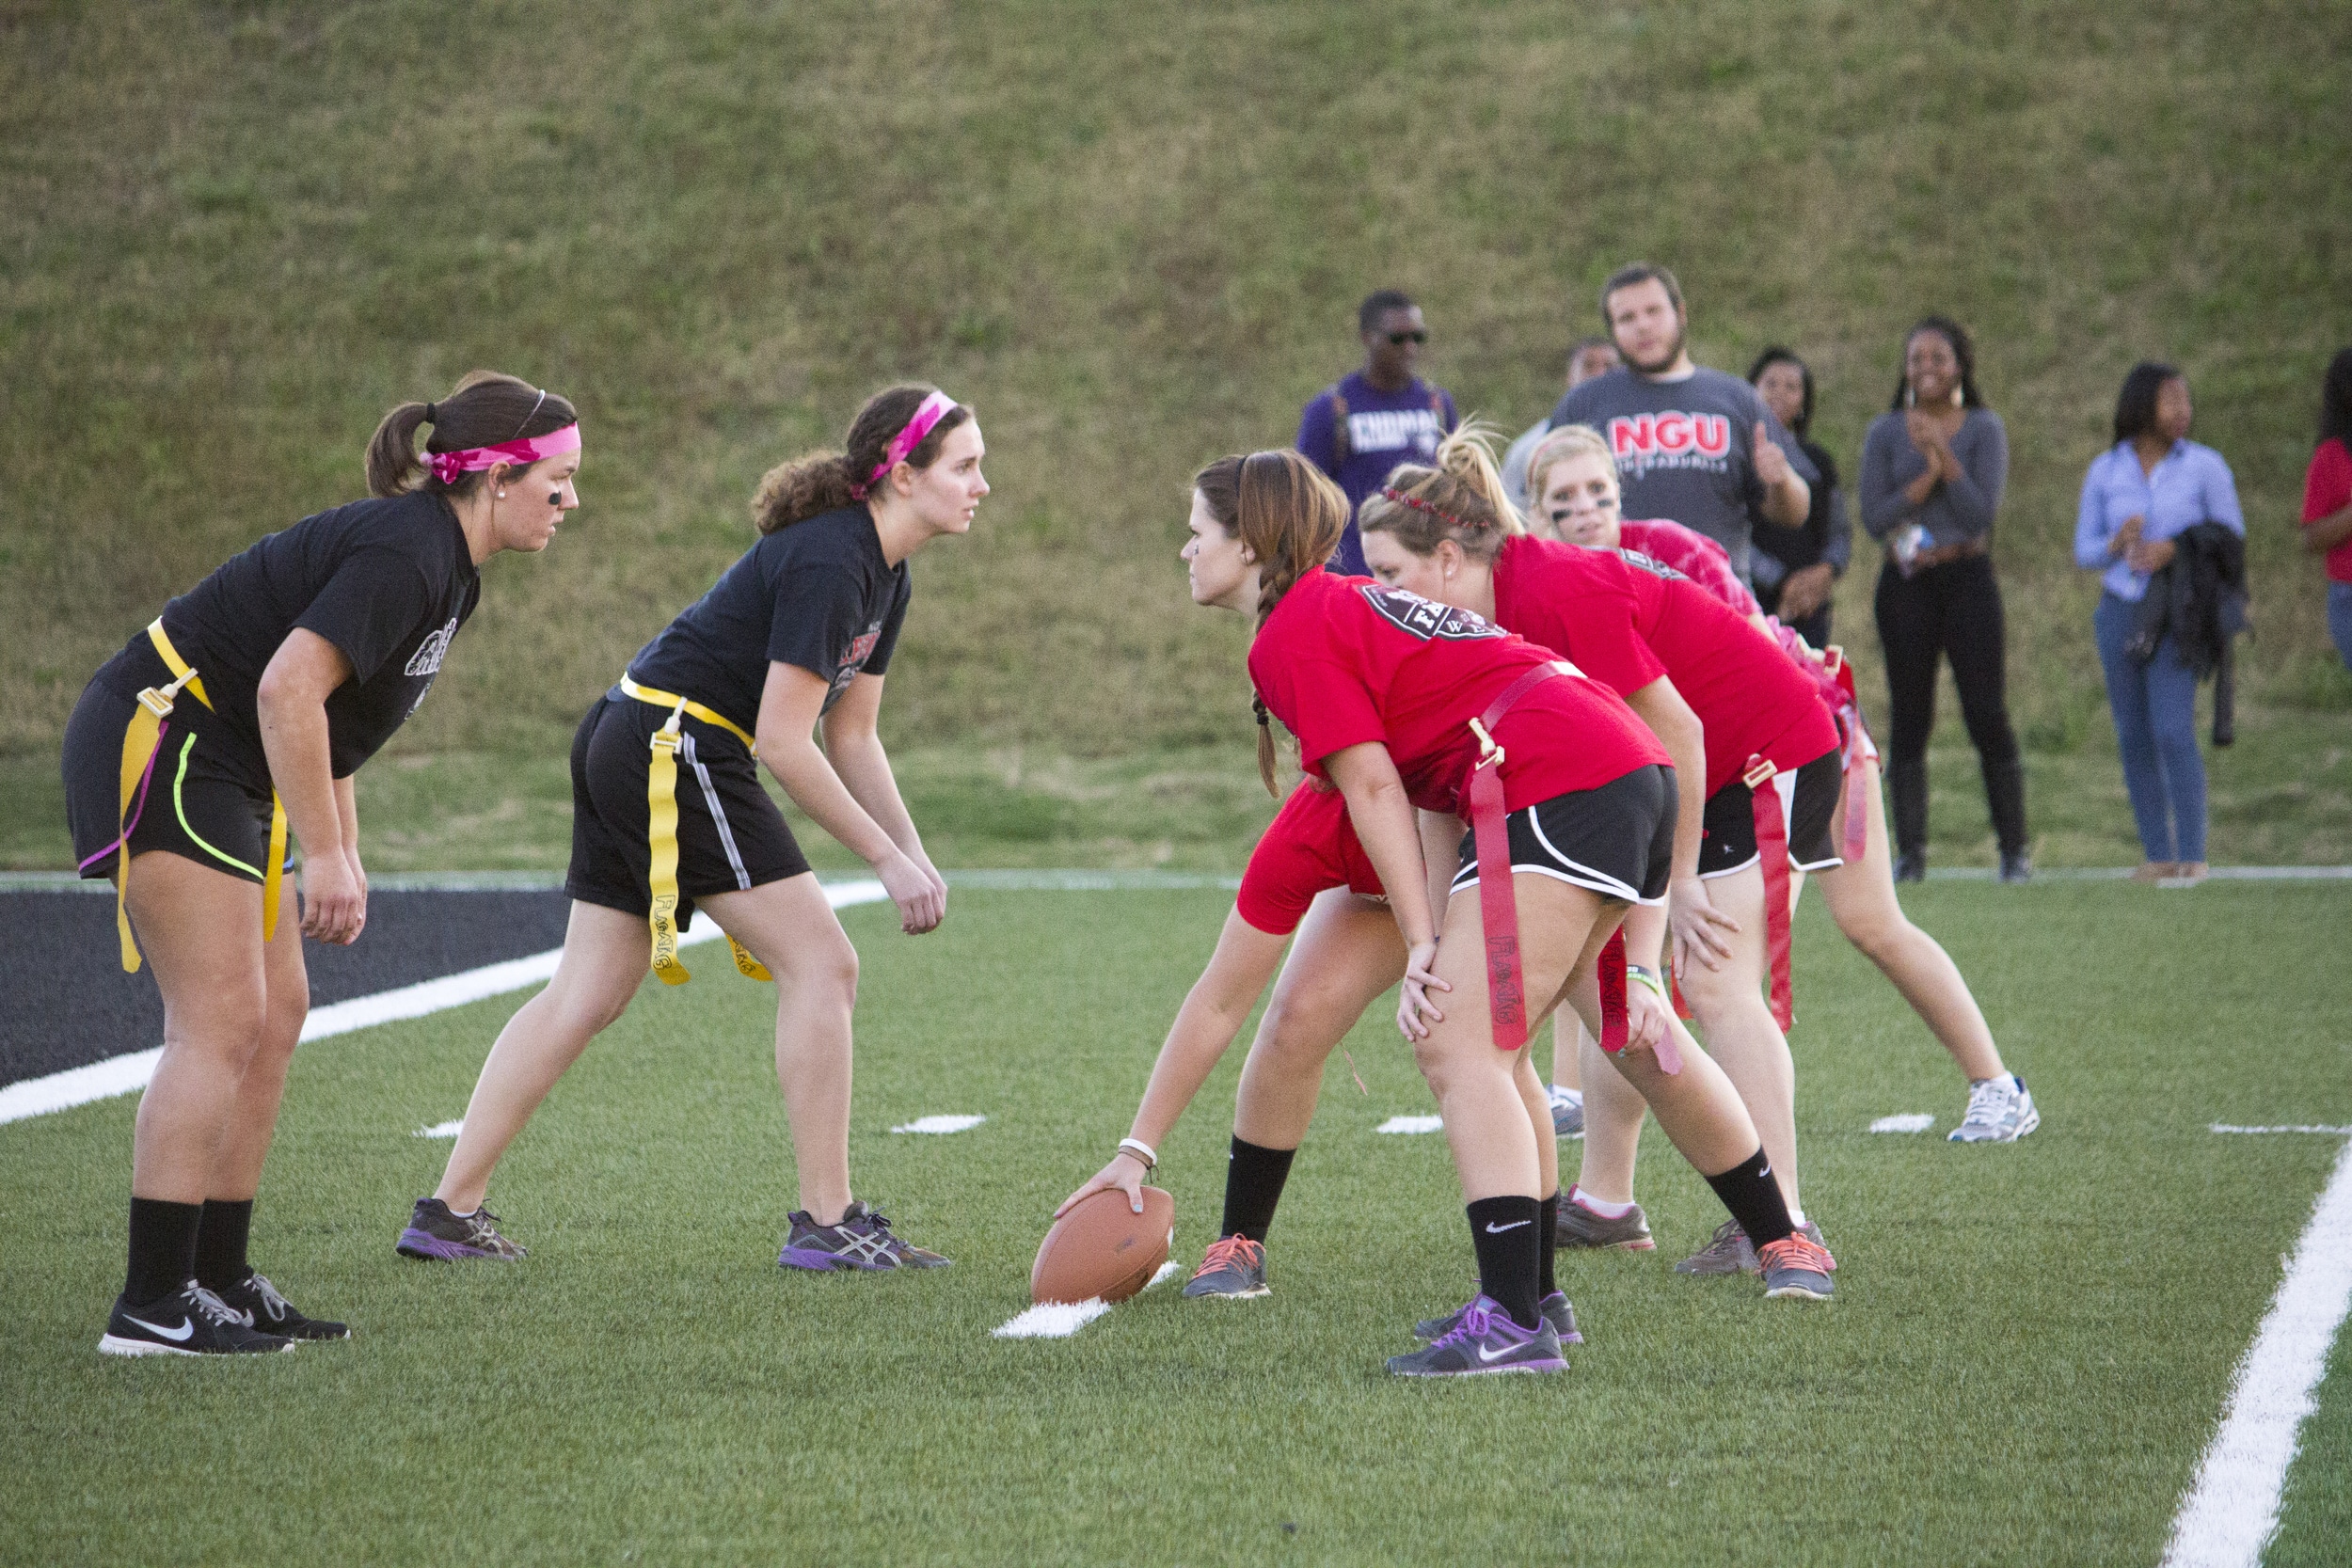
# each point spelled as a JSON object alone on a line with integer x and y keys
{"x": 1933, "y": 468}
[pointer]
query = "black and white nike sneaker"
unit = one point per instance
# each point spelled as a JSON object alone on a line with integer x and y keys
{"x": 190, "y": 1322}
{"x": 266, "y": 1310}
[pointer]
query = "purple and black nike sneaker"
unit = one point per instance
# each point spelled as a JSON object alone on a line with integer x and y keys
{"x": 1556, "y": 1309}
{"x": 1482, "y": 1342}
{"x": 435, "y": 1233}
{"x": 863, "y": 1240}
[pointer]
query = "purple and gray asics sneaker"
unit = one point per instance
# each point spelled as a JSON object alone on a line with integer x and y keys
{"x": 861, "y": 1241}
{"x": 1483, "y": 1341}
{"x": 434, "y": 1233}
{"x": 1555, "y": 1308}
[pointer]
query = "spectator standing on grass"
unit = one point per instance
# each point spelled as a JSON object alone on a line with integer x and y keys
{"x": 1794, "y": 570}
{"x": 2140, "y": 497}
{"x": 1591, "y": 357}
{"x": 2328, "y": 499}
{"x": 1360, "y": 427}
{"x": 1932, "y": 471}
{"x": 245, "y": 709}
{"x": 1692, "y": 444}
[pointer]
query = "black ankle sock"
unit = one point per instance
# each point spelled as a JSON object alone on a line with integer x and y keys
{"x": 220, "y": 1242}
{"x": 1754, "y": 1198}
{"x": 1504, "y": 1231}
{"x": 163, "y": 1248}
{"x": 1547, "y": 1237}
{"x": 1253, "y": 1185}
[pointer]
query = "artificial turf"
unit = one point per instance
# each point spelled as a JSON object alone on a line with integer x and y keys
{"x": 2028, "y": 1351}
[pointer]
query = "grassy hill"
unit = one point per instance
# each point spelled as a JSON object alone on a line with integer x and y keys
{"x": 231, "y": 236}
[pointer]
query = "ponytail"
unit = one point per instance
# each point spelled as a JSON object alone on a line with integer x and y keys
{"x": 484, "y": 409}
{"x": 1462, "y": 499}
{"x": 1289, "y": 516}
{"x": 828, "y": 481}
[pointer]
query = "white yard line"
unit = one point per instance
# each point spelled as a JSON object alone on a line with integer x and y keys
{"x": 2225, "y": 1127}
{"x": 940, "y": 1124}
{"x": 1412, "y": 1124}
{"x": 1055, "y": 1320}
{"x": 116, "y": 1075}
{"x": 2231, "y": 1508}
{"x": 1909, "y": 1121}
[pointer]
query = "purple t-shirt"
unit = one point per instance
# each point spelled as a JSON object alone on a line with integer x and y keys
{"x": 1384, "y": 429}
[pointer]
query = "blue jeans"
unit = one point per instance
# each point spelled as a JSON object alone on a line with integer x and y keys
{"x": 2339, "y": 619}
{"x": 2156, "y": 728}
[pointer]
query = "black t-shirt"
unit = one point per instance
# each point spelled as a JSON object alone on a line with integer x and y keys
{"x": 388, "y": 582}
{"x": 817, "y": 593}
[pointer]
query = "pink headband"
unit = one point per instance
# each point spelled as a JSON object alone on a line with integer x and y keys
{"x": 935, "y": 407}
{"x": 447, "y": 466}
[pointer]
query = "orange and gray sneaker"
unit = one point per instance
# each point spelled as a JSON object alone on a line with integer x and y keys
{"x": 1235, "y": 1269}
{"x": 1797, "y": 1266}
{"x": 1729, "y": 1251}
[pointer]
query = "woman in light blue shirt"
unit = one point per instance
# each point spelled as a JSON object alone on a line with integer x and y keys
{"x": 2141, "y": 495}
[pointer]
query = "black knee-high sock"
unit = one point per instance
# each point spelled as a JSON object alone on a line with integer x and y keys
{"x": 1546, "y": 1238}
{"x": 1505, "y": 1232}
{"x": 1253, "y": 1185}
{"x": 1754, "y": 1198}
{"x": 220, "y": 1242}
{"x": 163, "y": 1248}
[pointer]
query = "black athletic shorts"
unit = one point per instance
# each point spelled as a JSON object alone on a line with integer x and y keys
{"x": 1808, "y": 810}
{"x": 1618, "y": 840}
{"x": 190, "y": 804}
{"x": 730, "y": 836}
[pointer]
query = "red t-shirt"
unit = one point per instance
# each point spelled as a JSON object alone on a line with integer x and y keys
{"x": 1627, "y": 620}
{"x": 1692, "y": 554}
{"x": 2327, "y": 486}
{"x": 1308, "y": 847}
{"x": 1343, "y": 660}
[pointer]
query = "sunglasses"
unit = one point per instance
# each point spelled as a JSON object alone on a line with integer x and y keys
{"x": 1398, "y": 340}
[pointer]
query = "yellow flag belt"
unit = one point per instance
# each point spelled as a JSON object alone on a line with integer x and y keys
{"x": 661, "y": 828}
{"x": 140, "y": 739}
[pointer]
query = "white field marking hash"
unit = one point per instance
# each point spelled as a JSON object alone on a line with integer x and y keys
{"x": 1411, "y": 1124}
{"x": 1910, "y": 1122}
{"x": 2231, "y": 1508}
{"x": 2225, "y": 1127}
{"x": 940, "y": 1124}
{"x": 116, "y": 1075}
{"x": 441, "y": 1129}
{"x": 1057, "y": 1320}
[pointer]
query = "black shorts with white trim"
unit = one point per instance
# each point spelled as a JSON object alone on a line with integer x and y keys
{"x": 1618, "y": 840}
{"x": 730, "y": 836}
{"x": 1808, "y": 810}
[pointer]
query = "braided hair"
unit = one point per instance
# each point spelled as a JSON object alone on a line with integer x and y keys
{"x": 1289, "y": 516}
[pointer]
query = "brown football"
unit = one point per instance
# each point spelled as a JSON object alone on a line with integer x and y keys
{"x": 1103, "y": 1249}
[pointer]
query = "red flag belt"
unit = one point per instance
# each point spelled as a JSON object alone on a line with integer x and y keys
{"x": 1772, "y": 846}
{"x": 1497, "y": 905}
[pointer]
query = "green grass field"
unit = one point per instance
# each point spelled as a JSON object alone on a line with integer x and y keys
{"x": 2029, "y": 1347}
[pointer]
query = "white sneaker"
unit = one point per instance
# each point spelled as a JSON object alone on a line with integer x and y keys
{"x": 2000, "y": 1111}
{"x": 1568, "y": 1112}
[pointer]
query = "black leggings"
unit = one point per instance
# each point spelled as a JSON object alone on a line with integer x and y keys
{"x": 1952, "y": 610}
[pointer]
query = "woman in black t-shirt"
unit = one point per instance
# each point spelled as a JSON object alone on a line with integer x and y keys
{"x": 668, "y": 813}
{"x": 246, "y": 707}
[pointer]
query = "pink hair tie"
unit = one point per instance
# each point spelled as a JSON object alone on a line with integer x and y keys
{"x": 447, "y": 466}
{"x": 934, "y": 408}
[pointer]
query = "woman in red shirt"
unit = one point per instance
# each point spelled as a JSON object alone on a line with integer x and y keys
{"x": 1730, "y": 707}
{"x": 2328, "y": 499}
{"x": 1577, "y": 501}
{"x": 1382, "y": 688}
